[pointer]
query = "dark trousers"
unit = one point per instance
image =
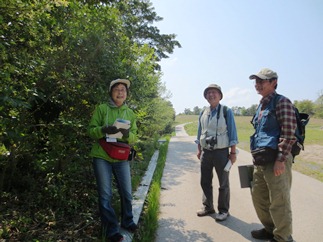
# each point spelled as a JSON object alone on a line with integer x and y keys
{"x": 215, "y": 159}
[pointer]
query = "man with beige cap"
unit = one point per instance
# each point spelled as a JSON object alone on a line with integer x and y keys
{"x": 216, "y": 135}
{"x": 271, "y": 143}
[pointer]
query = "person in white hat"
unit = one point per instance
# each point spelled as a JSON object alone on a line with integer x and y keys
{"x": 271, "y": 143}
{"x": 216, "y": 139}
{"x": 105, "y": 167}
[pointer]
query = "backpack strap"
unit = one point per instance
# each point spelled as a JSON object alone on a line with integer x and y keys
{"x": 225, "y": 111}
{"x": 276, "y": 97}
{"x": 218, "y": 112}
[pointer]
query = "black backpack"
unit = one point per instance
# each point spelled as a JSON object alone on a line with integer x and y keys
{"x": 302, "y": 120}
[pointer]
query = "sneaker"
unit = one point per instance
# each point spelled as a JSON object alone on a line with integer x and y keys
{"x": 132, "y": 228}
{"x": 221, "y": 216}
{"x": 262, "y": 234}
{"x": 205, "y": 212}
{"x": 116, "y": 238}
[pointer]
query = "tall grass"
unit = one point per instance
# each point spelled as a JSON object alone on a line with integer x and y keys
{"x": 149, "y": 217}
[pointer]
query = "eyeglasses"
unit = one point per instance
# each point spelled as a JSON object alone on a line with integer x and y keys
{"x": 212, "y": 91}
{"x": 260, "y": 81}
{"x": 119, "y": 90}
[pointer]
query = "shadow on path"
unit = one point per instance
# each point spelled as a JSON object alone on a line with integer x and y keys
{"x": 181, "y": 197}
{"x": 240, "y": 227}
{"x": 177, "y": 232}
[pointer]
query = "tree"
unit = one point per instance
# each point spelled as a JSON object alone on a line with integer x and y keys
{"x": 237, "y": 110}
{"x": 305, "y": 106}
{"x": 319, "y": 105}
{"x": 197, "y": 110}
{"x": 57, "y": 59}
{"x": 249, "y": 111}
{"x": 188, "y": 111}
{"x": 138, "y": 17}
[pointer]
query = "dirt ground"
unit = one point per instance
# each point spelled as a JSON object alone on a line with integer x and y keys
{"x": 312, "y": 153}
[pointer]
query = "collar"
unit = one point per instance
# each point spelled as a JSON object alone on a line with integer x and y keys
{"x": 216, "y": 108}
{"x": 265, "y": 100}
{"x": 112, "y": 104}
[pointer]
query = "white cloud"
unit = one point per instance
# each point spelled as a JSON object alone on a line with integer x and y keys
{"x": 241, "y": 97}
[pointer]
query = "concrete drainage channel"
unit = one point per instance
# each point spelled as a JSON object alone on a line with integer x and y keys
{"x": 140, "y": 195}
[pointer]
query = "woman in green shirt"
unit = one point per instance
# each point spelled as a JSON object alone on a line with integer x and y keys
{"x": 102, "y": 127}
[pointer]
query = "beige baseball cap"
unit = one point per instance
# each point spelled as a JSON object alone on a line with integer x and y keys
{"x": 124, "y": 81}
{"x": 264, "y": 74}
{"x": 213, "y": 86}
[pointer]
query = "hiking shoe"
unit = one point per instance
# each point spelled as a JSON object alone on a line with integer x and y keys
{"x": 262, "y": 234}
{"x": 115, "y": 238}
{"x": 205, "y": 212}
{"x": 221, "y": 216}
{"x": 132, "y": 228}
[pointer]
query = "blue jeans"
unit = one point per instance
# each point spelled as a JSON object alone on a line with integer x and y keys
{"x": 103, "y": 171}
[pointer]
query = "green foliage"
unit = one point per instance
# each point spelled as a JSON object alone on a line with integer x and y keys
{"x": 319, "y": 106}
{"x": 305, "y": 106}
{"x": 137, "y": 17}
{"x": 196, "y": 111}
{"x": 149, "y": 218}
{"x": 249, "y": 111}
{"x": 56, "y": 61}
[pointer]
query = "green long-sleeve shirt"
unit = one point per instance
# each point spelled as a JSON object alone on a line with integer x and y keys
{"x": 100, "y": 119}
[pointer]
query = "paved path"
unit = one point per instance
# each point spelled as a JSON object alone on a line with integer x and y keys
{"x": 181, "y": 198}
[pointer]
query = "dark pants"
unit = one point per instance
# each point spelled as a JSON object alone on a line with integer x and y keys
{"x": 215, "y": 159}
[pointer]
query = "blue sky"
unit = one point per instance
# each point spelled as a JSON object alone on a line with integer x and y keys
{"x": 224, "y": 41}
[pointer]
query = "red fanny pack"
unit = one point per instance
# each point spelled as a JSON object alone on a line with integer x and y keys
{"x": 116, "y": 150}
